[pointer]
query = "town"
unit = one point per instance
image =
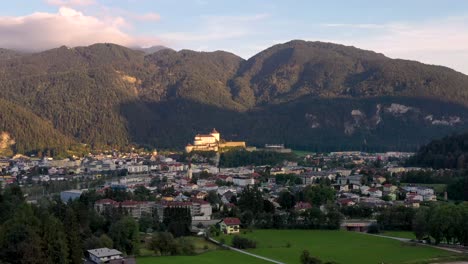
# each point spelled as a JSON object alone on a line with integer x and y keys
{"x": 347, "y": 190}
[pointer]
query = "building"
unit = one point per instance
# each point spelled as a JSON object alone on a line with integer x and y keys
{"x": 104, "y": 255}
{"x": 243, "y": 181}
{"x": 134, "y": 208}
{"x": 230, "y": 225}
{"x": 199, "y": 209}
{"x": 66, "y": 196}
{"x": 212, "y": 142}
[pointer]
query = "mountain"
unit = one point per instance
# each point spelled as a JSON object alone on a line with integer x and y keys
{"x": 307, "y": 95}
{"x": 152, "y": 49}
{"x": 6, "y": 54}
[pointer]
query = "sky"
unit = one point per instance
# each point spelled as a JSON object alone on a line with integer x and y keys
{"x": 433, "y": 32}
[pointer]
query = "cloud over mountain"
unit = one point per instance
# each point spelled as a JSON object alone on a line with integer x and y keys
{"x": 40, "y": 31}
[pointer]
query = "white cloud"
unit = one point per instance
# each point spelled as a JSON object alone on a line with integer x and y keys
{"x": 441, "y": 42}
{"x": 40, "y": 31}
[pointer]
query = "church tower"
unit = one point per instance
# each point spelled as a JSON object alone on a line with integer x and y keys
{"x": 215, "y": 134}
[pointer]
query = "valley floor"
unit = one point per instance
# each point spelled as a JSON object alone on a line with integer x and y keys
{"x": 339, "y": 246}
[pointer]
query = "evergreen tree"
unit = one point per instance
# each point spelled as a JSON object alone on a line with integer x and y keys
{"x": 74, "y": 242}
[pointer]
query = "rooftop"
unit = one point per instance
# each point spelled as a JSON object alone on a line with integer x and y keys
{"x": 104, "y": 252}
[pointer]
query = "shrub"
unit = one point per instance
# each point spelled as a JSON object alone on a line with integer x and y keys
{"x": 243, "y": 243}
{"x": 373, "y": 229}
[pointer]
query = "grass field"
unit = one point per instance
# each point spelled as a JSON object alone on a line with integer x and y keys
{"x": 402, "y": 234}
{"x": 212, "y": 257}
{"x": 340, "y": 246}
{"x": 301, "y": 153}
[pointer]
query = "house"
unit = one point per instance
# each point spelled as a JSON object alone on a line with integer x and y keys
{"x": 379, "y": 179}
{"x": 390, "y": 188}
{"x": 302, "y": 206}
{"x": 346, "y": 202}
{"x": 365, "y": 189}
{"x": 374, "y": 192}
{"x": 65, "y": 196}
{"x": 104, "y": 255}
{"x": 243, "y": 181}
{"x": 230, "y": 225}
{"x": 351, "y": 179}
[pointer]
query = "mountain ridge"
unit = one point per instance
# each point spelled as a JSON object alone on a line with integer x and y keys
{"x": 110, "y": 95}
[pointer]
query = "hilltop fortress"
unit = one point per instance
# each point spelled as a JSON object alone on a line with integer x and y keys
{"x": 212, "y": 142}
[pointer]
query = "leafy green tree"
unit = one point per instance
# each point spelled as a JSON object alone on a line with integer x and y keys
{"x": 251, "y": 199}
{"x": 124, "y": 233}
{"x": 164, "y": 243}
{"x": 145, "y": 222}
{"x": 319, "y": 194}
{"x": 420, "y": 223}
{"x": 286, "y": 200}
{"x": 106, "y": 241}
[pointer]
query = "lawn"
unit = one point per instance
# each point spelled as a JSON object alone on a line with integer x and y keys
{"x": 302, "y": 153}
{"x": 402, "y": 234}
{"x": 212, "y": 257}
{"x": 340, "y": 246}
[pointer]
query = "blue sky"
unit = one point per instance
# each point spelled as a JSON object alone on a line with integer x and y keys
{"x": 434, "y": 32}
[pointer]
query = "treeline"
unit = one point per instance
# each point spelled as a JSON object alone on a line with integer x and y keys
{"x": 450, "y": 152}
{"x": 254, "y": 211}
{"x": 446, "y": 223}
{"x": 237, "y": 158}
{"x": 456, "y": 180}
{"x": 55, "y": 232}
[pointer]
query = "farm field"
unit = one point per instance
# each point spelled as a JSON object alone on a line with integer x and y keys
{"x": 340, "y": 246}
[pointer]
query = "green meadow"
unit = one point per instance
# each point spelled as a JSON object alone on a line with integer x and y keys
{"x": 339, "y": 246}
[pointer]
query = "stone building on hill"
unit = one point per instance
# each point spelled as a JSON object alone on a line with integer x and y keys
{"x": 212, "y": 142}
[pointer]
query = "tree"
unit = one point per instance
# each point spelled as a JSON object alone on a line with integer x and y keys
{"x": 20, "y": 241}
{"x": 145, "y": 222}
{"x": 213, "y": 199}
{"x": 164, "y": 243}
{"x": 55, "y": 241}
{"x": 420, "y": 223}
{"x": 124, "y": 233}
{"x": 319, "y": 194}
{"x": 106, "y": 241}
{"x": 75, "y": 252}
{"x": 178, "y": 220}
{"x": 286, "y": 200}
{"x": 251, "y": 199}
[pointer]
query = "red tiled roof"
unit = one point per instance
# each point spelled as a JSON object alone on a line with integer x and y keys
{"x": 302, "y": 205}
{"x": 232, "y": 221}
{"x": 200, "y": 201}
{"x": 130, "y": 203}
{"x": 106, "y": 201}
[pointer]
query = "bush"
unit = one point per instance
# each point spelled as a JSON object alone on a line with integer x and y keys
{"x": 373, "y": 229}
{"x": 243, "y": 243}
{"x": 306, "y": 258}
{"x": 186, "y": 246}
